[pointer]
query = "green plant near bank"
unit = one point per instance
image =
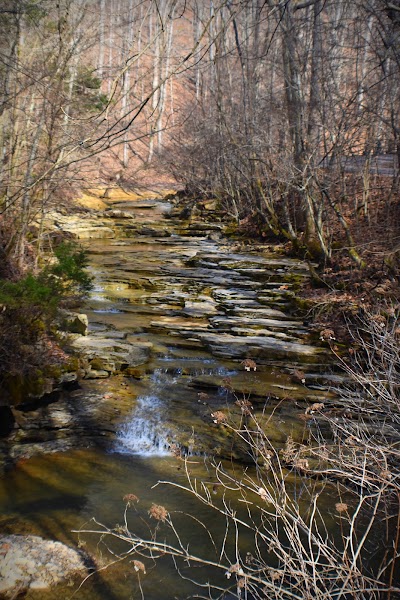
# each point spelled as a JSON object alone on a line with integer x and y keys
{"x": 28, "y": 307}
{"x": 43, "y": 292}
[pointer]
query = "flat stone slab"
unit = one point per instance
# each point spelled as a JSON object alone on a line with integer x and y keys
{"x": 113, "y": 353}
{"x": 179, "y": 324}
{"x": 231, "y": 346}
{"x": 30, "y": 562}
{"x": 225, "y": 323}
{"x": 82, "y": 227}
{"x": 117, "y": 214}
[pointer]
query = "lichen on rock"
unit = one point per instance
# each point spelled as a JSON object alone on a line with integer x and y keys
{"x": 30, "y": 562}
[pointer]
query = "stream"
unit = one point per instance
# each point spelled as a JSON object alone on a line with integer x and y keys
{"x": 196, "y": 324}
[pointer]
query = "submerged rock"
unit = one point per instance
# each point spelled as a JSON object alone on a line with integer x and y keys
{"x": 30, "y": 562}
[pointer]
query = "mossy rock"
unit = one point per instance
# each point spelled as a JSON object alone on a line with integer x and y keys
{"x": 302, "y": 304}
{"x": 134, "y": 372}
{"x": 97, "y": 364}
{"x": 73, "y": 364}
{"x": 231, "y": 230}
{"x": 18, "y": 389}
{"x": 75, "y": 323}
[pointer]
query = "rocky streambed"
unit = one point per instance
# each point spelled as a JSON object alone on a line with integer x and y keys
{"x": 176, "y": 316}
{"x": 183, "y": 325}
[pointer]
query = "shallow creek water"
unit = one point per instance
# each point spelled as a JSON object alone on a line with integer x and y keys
{"x": 198, "y": 307}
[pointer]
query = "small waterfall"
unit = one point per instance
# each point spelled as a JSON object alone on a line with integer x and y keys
{"x": 97, "y": 293}
{"x": 145, "y": 433}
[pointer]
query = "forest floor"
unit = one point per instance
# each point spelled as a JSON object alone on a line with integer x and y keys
{"x": 341, "y": 291}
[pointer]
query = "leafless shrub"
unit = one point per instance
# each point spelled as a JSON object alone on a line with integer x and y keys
{"x": 281, "y": 502}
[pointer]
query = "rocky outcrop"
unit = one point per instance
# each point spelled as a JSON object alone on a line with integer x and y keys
{"x": 80, "y": 226}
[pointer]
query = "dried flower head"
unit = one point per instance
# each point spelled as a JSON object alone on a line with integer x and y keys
{"x": 219, "y": 417}
{"x": 317, "y": 406}
{"x": 249, "y": 364}
{"x": 202, "y": 396}
{"x": 301, "y": 464}
{"x": 139, "y": 566}
{"x": 352, "y": 440}
{"x": 327, "y": 335}
{"x": 385, "y": 474}
{"x": 130, "y": 499}
{"x": 175, "y": 450}
{"x": 299, "y": 376}
{"x": 236, "y": 568}
{"x": 227, "y": 384}
{"x": 275, "y": 574}
{"x": 158, "y": 512}
{"x": 241, "y": 583}
{"x": 341, "y": 507}
{"x": 379, "y": 320}
{"x": 290, "y": 451}
{"x": 262, "y": 493}
{"x": 245, "y": 406}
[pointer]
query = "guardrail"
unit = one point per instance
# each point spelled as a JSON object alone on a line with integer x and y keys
{"x": 380, "y": 164}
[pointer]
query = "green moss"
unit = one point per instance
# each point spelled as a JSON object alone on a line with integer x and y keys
{"x": 302, "y": 304}
{"x": 313, "y": 250}
{"x": 356, "y": 257}
{"x": 73, "y": 364}
{"x": 336, "y": 245}
{"x": 135, "y": 372}
{"x": 21, "y": 388}
{"x": 231, "y": 229}
{"x": 53, "y": 371}
{"x": 97, "y": 364}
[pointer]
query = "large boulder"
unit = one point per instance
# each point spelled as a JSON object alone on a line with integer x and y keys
{"x": 30, "y": 562}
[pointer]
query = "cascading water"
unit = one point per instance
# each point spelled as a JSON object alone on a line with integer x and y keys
{"x": 145, "y": 432}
